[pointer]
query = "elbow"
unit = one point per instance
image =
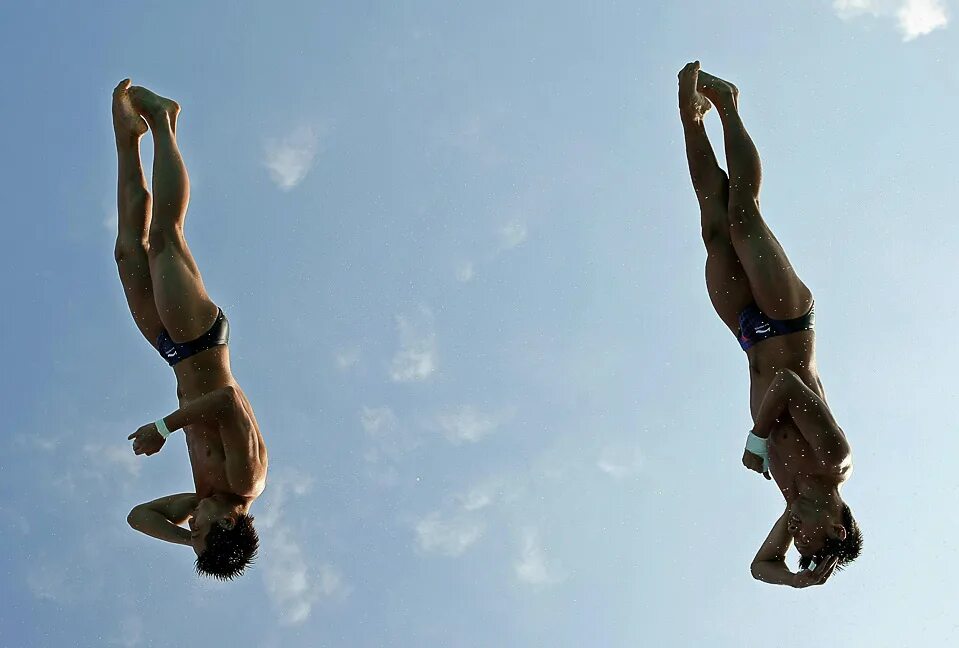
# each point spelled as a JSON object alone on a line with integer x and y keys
{"x": 230, "y": 396}
{"x": 133, "y": 518}
{"x": 755, "y": 570}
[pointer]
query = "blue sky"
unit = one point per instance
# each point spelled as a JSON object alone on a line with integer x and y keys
{"x": 460, "y": 254}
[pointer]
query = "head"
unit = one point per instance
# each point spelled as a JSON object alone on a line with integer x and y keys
{"x": 223, "y": 537}
{"x": 823, "y": 531}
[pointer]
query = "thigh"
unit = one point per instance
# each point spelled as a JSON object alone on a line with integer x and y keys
{"x": 726, "y": 281}
{"x": 181, "y": 299}
{"x": 777, "y": 289}
{"x": 134, "y": 268}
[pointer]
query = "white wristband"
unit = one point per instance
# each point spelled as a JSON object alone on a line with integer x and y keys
{"x": 162, "y": 429}
{"x": 759, "y": 447}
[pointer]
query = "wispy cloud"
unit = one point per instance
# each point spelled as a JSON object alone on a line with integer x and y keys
{"x": 347, "y": 358}
{"x": 465, "y": 424}
{"x": 387, "y": 442}
{"x": 620, "y": 463}
{"x": 117, "y": 456}
{"x": 130, "y": 632}
{"x": 290, "y": 158}
{"x": 450, "y": 536}
{"x": 465, "y": 272}
{"x": 292, "y": 581}
{"x": 914, "y": 18}
{"x": 416, "y": 358}
{"x": 533, "y": 566}
{"x": 512, "y": 234}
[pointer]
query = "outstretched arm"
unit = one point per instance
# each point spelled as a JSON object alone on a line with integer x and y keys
{"x": 161, "y": 517}
{"x": 209, "y": 408}
{"x": 810, "y": 413}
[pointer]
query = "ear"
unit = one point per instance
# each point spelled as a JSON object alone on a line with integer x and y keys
{"x": 837, "y": 531}
{"x": 229, "y": 522}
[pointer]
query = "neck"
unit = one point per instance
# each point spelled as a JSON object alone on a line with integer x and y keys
{"x": 817, "y": 491}
{"x": 234, "y": 502}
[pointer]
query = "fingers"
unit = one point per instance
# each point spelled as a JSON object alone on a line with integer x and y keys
{"x": 832, "y": 567}
{"x": 766, "y": 475}
{"x": 131, "y": 436}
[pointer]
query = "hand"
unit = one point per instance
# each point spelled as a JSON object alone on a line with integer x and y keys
{"x": 754, "y": 463}
{"x": 147, "y": 440}
{"x": 809, "y": 577}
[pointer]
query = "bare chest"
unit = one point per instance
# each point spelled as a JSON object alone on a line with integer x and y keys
{"x": 789, "y": 455}
{"x": 207, "y": 459}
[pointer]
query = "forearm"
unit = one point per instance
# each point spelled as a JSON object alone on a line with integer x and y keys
{"x": 205, "y": 409}
{"x": 774, "y": 402}
{"x": 774, "y": 572}
{"x": 157, "y": 526}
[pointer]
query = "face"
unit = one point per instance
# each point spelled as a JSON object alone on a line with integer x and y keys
{"x": 207, "y": 513}
{"x": 810, "y": 525}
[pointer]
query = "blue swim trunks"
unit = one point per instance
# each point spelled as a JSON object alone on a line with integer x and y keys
{"x": 172, "y": 352}
{"x": 755, "y": 326}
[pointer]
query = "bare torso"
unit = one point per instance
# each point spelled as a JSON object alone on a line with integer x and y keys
{"x": 789, "y": 453}
{"x": 199, "y": 375}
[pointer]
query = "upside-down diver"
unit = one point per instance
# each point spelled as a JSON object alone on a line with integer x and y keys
{"x": 760, "y": 298}
{"x": 172, "y": 310}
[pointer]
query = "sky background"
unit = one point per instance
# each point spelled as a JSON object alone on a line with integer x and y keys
{"x": 460, "y": 254}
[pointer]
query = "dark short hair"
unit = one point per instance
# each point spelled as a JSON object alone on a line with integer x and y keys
{"x": 229, "y": 551}
{"x": 847, "y": 550}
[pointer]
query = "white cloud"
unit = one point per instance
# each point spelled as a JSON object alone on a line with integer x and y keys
{"x": 475, "y": 500}
{"x": 914, "y": 17}
{"x": 451, "y": 536}
{"x": 465, "y": 425}
{"x": 293, "y": 583}
{"x": 512, "y": 234}
{"x": 532, "y": 566}
{"x": 416, "y": 359}
{"x": 919, "y": 17}
{"x": 464, "y": 271}
{"x": 377, "y": 420}
{"x": 289, "y": 159}
{"x": 116, "y": 455}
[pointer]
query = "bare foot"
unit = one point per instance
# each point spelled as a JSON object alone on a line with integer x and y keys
{"x": 718, "y": 91}
{"x": 153, "y": 107}
{"x": 692, "y": 104}
{"x": 127, "y": 124}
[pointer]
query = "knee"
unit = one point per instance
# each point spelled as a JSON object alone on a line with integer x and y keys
{"x": 160, "y": 237}
{"x": 126, "y": 249}
{"x": 743, "y": 203}
{"x": 715, "y": 224}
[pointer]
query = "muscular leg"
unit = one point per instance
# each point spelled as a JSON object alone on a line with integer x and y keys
{"x": 726, "y": 281}
{"x": 181, "y": 298}
{"x": 133, "y": 209}
{"x": 776, "y": 287}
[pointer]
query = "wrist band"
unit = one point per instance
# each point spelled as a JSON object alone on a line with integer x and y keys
{"x": 162, "y": 429}
{"x": 759, "y": 447}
